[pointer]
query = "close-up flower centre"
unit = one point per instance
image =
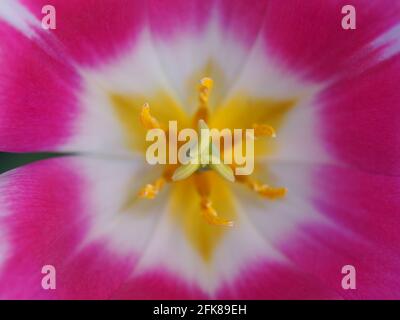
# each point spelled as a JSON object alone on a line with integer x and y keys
{"x": 202, "y": 181}
{"x": 221, "y": 149}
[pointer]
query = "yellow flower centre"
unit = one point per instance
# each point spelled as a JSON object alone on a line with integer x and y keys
{"x": 209, "y": 213}
{"x": 202, "y": 203}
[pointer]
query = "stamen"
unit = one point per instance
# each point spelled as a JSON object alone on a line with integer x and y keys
{"x": 211, "y": 216}
{"x": 209, "y": 213}
{"x": 263, "y": 189}
{"x": 204, "y": 93}
{"x": 148, "y": 121}
{"x": 267, "y": 191}
{"x": 263, "y": 130}
{"x": 150, "y": 191}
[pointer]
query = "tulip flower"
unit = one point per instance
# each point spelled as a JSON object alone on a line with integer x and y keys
{"x": 324, "y": 104}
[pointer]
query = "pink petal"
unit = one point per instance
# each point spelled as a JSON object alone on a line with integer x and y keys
{"x": 266, "y": 280}
{"x": 44, "y": 219}
{"x": 357, "y": 224}
{"x": 323, "y": 252}
{"x": 367, "y": 204}
{"x": 158, "y": 285}
{"x": 360, "y": 118}
{"x": 308, "y": 36}
{"x": 235, "y": 16}
{"x": 35, "y": 95}
{"x": 45, "y": 104}
{"x": 169, "y": 17}
{"x": 93, "y": 31}
{"x": 361, "y": 230}
{"x": 194, "y": 39}
{"x": 243, "y": 19}
{"x": 39, "y": 82}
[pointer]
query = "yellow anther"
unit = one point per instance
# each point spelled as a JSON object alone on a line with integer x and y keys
{"x": 203, "y": 187}
{"x": 267, "y": 191}
{"x": 204, "y": 93}
{"x": 263, "y": 130}
{"x": 207, "y": 83}
{"x": 148, "y": 121}
{"x": 211, "y": 216}
{"x": 262, "y": 189}
{"x": 150, "y": 191}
